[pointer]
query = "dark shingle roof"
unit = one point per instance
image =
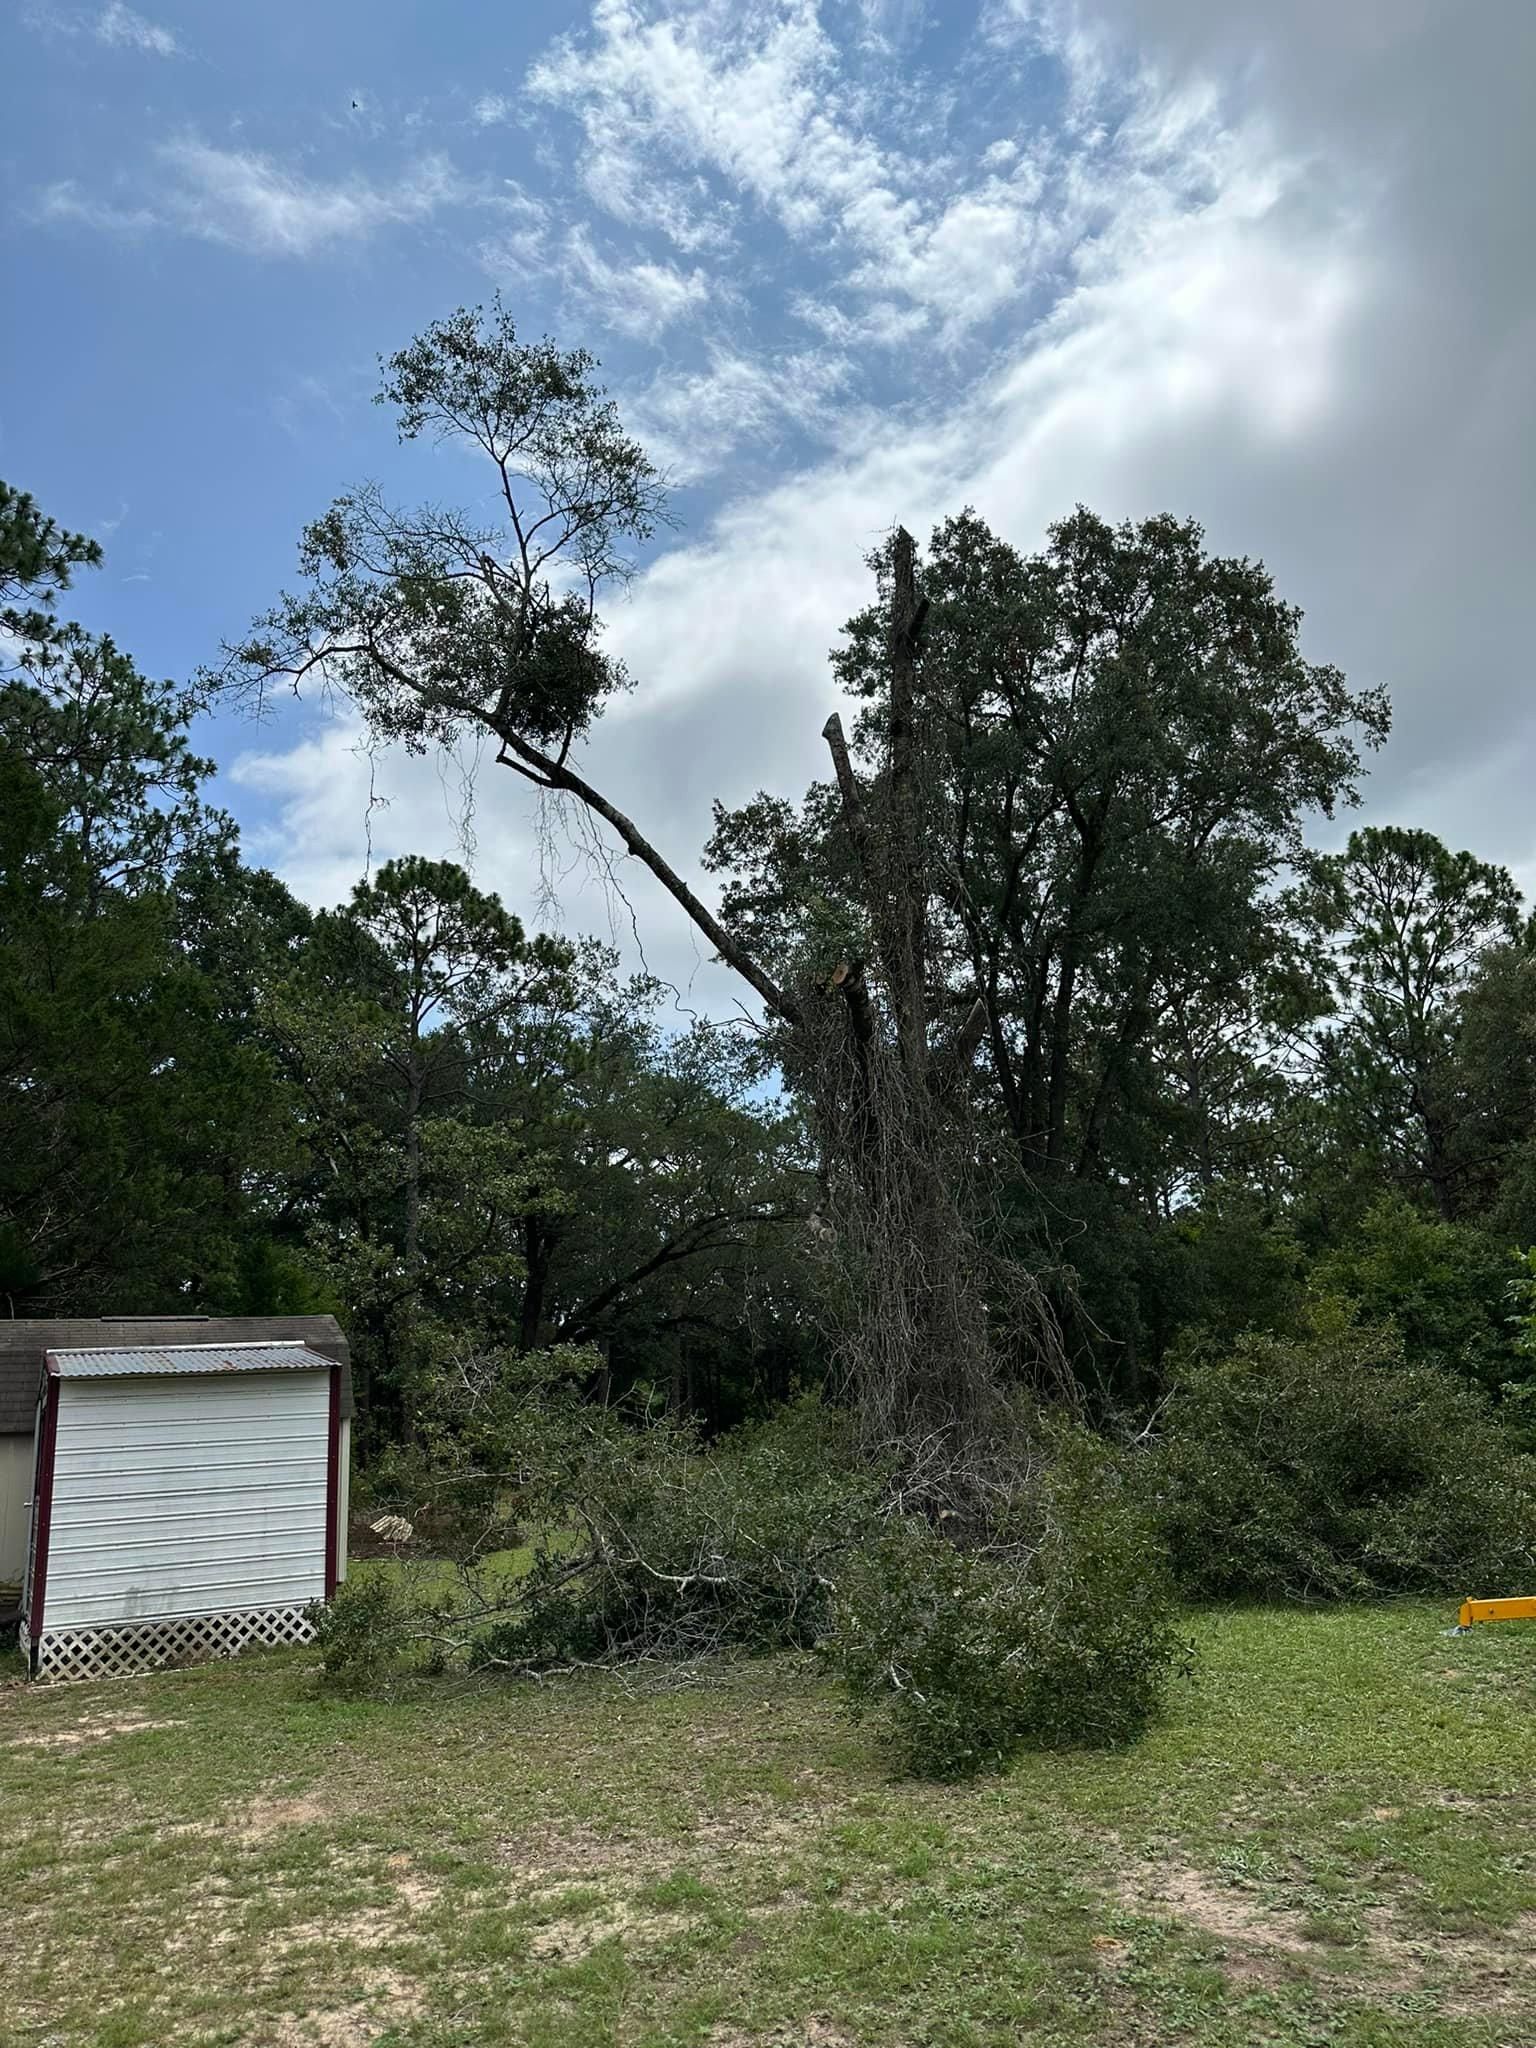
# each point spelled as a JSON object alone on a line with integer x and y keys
{"x": 24, "y": 1341}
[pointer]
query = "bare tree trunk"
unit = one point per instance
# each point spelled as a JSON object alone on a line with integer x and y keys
{"x": 915, "y": 1342}
{"x": 538, "y": 1245}
{"x": 413, "y": 1169}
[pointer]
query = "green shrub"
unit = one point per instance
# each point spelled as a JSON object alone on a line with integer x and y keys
{"x": 1053, "y": 1626}
{"x": 690, "y": 1551}
{"x": 1328, "y": 1467}
{"x": 1445, "y": 1287}
{"x": 362, "y": 1632}
{"x": 1066, "y": 1639}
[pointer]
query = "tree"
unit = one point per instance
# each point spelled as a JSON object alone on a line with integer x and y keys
{"x": 1407, "y": 921}
{"x": 440, "y": 623}
{"x": 675, "y": 1195}
{"x": 452, "y": 950}
{"x": 37, "y": 560}
{"x": 131, "y": 1106}
{"x": 1495, "y": 1083}
{"x": 1123, "y": 746}
{"x": 1076, "y": 782}
{"x": 411, "y": 1207}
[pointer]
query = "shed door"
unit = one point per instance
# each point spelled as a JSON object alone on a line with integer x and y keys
{"x": 181, "y": 1495}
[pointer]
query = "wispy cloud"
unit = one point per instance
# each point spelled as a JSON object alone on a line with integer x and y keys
{"x": 251, "y": 202}
{"x": 520, "y": 250}
{"x": 63, "y": 201}
{"x": 491, "y": 108}
{"x": 124, "y": 30}
{"x": 638, "y": 299}
{"x": 692, "y": 421}
{"x": 751, "y": 106}
{"x": 752, "y": 93}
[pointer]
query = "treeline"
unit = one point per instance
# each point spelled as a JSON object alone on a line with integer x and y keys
{"x": 456, "y": 1135}
{"x": 1141, "y": 1200}
{"x": 1223, "y": 1078}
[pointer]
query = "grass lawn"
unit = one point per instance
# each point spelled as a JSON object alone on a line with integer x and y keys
{"x": 1331, "y": 1840}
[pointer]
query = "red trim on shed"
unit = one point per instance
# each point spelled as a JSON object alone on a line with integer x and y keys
{"x": 42, "y": 1512}
{"x": 333, "y": 1484}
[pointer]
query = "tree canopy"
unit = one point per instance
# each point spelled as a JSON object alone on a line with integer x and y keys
{"x": 1075, "y": 1049}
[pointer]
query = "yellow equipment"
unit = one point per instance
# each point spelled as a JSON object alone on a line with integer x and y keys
{"x": 1494, "y": 1610}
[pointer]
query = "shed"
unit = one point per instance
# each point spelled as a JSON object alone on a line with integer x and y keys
{"x": 170, "y": 1488}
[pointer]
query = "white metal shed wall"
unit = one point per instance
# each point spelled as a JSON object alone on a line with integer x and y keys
{"x": 187, "y": 1496}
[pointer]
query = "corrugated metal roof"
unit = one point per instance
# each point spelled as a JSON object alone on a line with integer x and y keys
{"x": 123, "y": 1361}
{"x": 24, "y": 1340}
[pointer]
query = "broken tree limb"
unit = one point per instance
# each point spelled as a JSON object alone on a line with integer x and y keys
{"x": 847, "y": 783}
{"x": 954, "y": 1063}
{"x": 550, "y": 773}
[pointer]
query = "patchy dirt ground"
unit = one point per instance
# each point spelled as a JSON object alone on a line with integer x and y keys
{"x": 1328, "y": 1841}
{"x": 96, "y": 1728}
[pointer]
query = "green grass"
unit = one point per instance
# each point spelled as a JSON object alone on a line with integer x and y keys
{"x": 1332, "y": 1839}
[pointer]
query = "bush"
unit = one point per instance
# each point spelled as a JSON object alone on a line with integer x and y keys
{"x": 687, "y": 1552}
{"x": 361, "y": 1632}
{"x": 1070, "y": 1638}
{"x": 649, "y": 1545}
{"x": 1445, "y": 1287}
{"x": 1329, "y": 1467}
{"x": 1054, "y": 1627}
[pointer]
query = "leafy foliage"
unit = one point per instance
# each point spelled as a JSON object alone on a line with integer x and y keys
{"x": 1068, "y": 1638}
{"x": 1057, "y": 1630}
{"x": 1125, "y": 744}
{"x": 1326, "y": 1466}
{"x": 131, "y": 1103}
{"x": 689, "y": 1552}
{"x": 651, "y": 1545}
{"x": 436, "y": 620}
{"x": 1445, "y": 1288}
{"x": 1408, "y": 920}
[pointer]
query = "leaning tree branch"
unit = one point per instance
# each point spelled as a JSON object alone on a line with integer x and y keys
{"x": 557, "y": 774}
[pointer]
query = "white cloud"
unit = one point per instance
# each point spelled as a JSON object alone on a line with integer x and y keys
{"x": 864, "y": 181}
{"x": 332, "y": 809}
{"x": 1194, "y": 333}
{"x": 494, "y": 107}
{"x": 1221, "y": 304}
{"x": 750, "y": 92}
{"x": 638, "y": 299}
{"x": 877, "y": 324}
{"x": 516, "y": 254}
{"x": 635, "y": 189}
{"x": 691, "y": 421}
{"x": 520, "y": 250}
{"x": 64, "y": 201}
{"x": 253, "y": 203}
{"x": 250, "y": 202}
{"x": 125, "y": 30}
{"x": 336, "y": 804}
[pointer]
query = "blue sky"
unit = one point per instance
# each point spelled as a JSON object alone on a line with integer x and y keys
{"x": 843, "y": 262}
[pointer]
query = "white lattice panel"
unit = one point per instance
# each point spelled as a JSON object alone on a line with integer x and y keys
{"x": 121, "y": 1650}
